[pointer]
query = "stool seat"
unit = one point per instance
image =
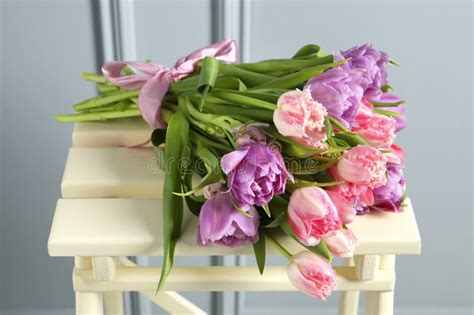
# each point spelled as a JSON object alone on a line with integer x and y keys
{"x": 132, "y": 227}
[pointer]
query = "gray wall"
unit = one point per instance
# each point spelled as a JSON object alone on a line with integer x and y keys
{"x": 45, "y": 44}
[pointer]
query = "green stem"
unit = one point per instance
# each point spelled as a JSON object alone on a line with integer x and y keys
{"x": 93, "y": 77}
{"x": 278, "y": 246}
{"x": 336, "y": 123}
{"x": 98, "y": 116}
{"x": 104, "y": 100}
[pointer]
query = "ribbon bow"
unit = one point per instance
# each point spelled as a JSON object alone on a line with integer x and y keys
{"x": 155, "y": 79}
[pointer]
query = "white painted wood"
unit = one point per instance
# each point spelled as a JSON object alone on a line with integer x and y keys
{"x": 366, "y": 266}
{"x": 349, "y": 302}
{"x": 112, "y": 133}
{"x": 168, "y": 300}
{"x": 103, "y": 268}
{"x": 89, "y": 303}
{"x": 113, "y": 303}
{"x": 220, "y": 278}
{"x": 83, "y": 262}
{"x": 132, "y": 227}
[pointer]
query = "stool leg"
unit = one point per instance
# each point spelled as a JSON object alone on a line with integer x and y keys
{"x": 349, "y": 302}
{"x": 113, "y": 303}
{"x": 381, "y": 302}
{"x": 88, "y": 303}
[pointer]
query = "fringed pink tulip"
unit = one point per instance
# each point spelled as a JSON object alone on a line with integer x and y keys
{"x": 301, "y": 118}
{"x": 342, "y": 244}
{"x": 312, "y": 275}
{"x": 345, "y": 208}
{"x": 363, "y": 165}
{"x": 312, "y": 215}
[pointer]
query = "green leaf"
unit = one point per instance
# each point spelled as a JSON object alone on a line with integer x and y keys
{"x": 381, "y": 104}
{"x": 307, "y": 50}
{"x": 275, "y": 222}
{"x": 249, "y": 78}
{"x": 102, "y": 100}
{"x": 350, "y": 138}
{"x": 238, "y": 98}
{"x": 298, "y": 78}
{"x": 285, "y": 66}
{"x": 207, "y": 78}
{"x": 176, "y": 143}
{"x": 93, "y": 77}
{"x": 214, "y": 173}
{"x": 185, "y": 85}
{"x": 230, "y": 83}
{"x": 388, "y": 113}
{"x": 267, "y": 210}
{"x": 237, "y": 112}
{"x": 260, "y": 251}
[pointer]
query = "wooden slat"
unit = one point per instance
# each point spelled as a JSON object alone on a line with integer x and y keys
{"x": 221, "y": 279}
{"x": 111, "y": 133}
{"x": 111, "y": 172}
{"x": 132, "y": 227}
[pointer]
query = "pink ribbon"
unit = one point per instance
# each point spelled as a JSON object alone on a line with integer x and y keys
{"x": 155, "y": 79}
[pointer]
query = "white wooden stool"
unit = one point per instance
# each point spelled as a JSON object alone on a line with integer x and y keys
{"x": 111, "y": 209}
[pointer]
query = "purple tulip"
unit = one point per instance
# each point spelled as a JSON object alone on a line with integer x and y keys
{"x": 255, "y": 173}
{"x": 339, "y": 90}
{"x": 400, "y": 122}
{"x": 373, "y": 63}
{"x": 220, "y": 223}
{"x": 389, "y": 197}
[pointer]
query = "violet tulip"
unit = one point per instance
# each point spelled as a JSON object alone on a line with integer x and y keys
{"x": 312, "y": 215}
{"x": 342, "y": 243}
{"x": 255, "y": 173}
{"x": 221, "y": 224}
{"x": 301, "y": 118}
{"x": 390, "y": 196}
{"x": 339, "y": 91}
{"x": 363, "y": 165}
{"x": 373, "y": 63}
{"x": 312, "y": 275}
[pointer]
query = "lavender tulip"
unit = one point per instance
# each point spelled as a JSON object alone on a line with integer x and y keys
{"x": 339, "y": 90}
{"x": 400, "y": 122}
{"x": 255, "y": 173}
{"x": 389, "y": 197}
{"x": 373, "y": 63}
{"x": 220, "y": 223}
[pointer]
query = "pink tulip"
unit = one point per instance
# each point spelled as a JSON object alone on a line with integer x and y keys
{"x": 363, "y": 165}
{"x": 396, "y": 156}
{"x": 345, "y": 208}
{"x": 378, "y": 130}
{"x": 342, "y": 244}
{"x": 360, "y": 196}
{"x": 312, "y": 275}
{"x": 301, "y": 118}
{"x": 312, "y": 215}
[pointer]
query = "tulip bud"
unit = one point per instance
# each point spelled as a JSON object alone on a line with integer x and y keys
{"x": 312, "y": 215}
{"x": 342, "y": 244}
{"x": 312, "y": 275}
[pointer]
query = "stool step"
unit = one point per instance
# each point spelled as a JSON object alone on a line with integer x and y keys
{"x": 221, "y": 279}
{"x": 133, "y": 227}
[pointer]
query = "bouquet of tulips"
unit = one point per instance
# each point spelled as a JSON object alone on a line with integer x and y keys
{"x": 297, "y": 146}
